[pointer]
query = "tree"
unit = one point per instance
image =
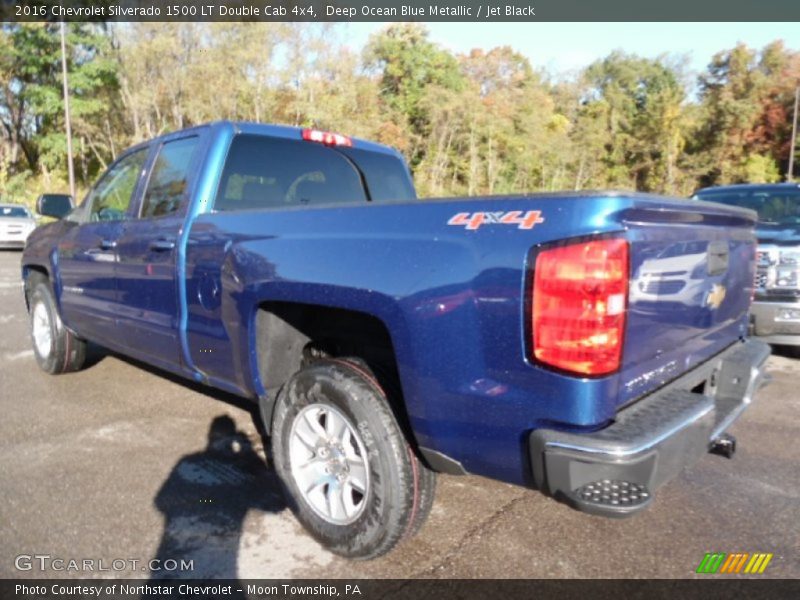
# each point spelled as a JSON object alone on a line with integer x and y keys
{"x": 642, "y": 106}
{"x": 480, "y": 123}
{"x": 746, "y": 97}
{"x": 407, "y": 63}
{"x": 31, "y": 97}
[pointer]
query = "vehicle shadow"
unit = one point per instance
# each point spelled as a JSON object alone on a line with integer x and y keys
{"x": 786, "y": 351}
{"x": 96, "y": 354}
{"x": 205, "y": 500}
{"x": 208, "y": 494}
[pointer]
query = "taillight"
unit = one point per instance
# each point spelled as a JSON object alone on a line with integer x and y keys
{"x": 326, "y": 137}
{"x": 580, "y": 295}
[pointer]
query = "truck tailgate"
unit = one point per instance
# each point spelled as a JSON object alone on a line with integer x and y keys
{"x": 692, "y": 269}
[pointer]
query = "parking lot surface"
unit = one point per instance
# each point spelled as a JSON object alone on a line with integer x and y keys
{"x": 124, "y": 462}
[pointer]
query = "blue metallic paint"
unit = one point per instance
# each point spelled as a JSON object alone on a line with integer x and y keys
{"x": 452, "y": 300}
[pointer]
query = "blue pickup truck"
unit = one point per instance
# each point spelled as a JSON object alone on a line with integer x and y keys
{"x": 589, "y": 345}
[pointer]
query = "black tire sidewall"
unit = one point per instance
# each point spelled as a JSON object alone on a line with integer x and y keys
{"x": 390, "y": 496}
{"x": 54, "y": 361}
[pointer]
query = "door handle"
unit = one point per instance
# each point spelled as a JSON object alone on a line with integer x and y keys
{"x": 107, "y": 244}
{"x": 162, "y": 245}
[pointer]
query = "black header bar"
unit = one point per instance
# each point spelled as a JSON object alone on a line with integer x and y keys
{"x": 403, "y": 10}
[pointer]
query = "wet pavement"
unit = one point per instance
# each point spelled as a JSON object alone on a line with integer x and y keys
{"x": 123, "y": 462}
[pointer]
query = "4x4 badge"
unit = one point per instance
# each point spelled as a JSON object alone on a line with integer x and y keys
{"x": 473, "y": 221}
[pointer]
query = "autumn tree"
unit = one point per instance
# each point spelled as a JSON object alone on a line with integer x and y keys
{"x": 640, "y": 102}
{"x": 485, "y": 122}
{"x": 31, "y": 98}
{"x": 408, "y": 65}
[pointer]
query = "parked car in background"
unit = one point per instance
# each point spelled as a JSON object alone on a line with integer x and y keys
{"x": 16, "y": 224}
{"x": 775, "y": 314}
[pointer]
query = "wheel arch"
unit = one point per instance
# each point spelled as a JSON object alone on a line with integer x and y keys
{"x": 31, "y": 275}
{"x": 289, "y": 335}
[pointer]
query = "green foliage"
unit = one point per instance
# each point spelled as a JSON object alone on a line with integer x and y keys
{"x": 480, "y": 123}
{"x": 31, "y": 93}
{"x": 758, "y": 168}
{"x": 409, "y": 63}
{"x": 411, "y": 70}
{"x": 640, "y": 102}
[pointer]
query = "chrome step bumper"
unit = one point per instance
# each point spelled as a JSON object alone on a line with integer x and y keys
{"x": 652, "y": 440}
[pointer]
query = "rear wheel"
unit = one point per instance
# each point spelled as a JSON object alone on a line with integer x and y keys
{"x": 350, "y": 475}
{"x": 56, "y": 349}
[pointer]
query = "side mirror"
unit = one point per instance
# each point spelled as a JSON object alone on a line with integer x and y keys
{"x": 54, "y": 205}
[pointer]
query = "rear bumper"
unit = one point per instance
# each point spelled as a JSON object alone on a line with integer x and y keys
{"x": 651, "y": 441}
{"x": 774, "y": 323}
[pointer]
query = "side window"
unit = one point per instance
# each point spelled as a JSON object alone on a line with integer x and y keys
{"x": 111, "y": 197}
{"x": 266, "y": 172}
{"x": 169, "y": 180}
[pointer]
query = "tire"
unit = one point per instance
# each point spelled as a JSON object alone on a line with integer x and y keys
{"x": 56, "y": 348}
{"x": 375, "y": 491}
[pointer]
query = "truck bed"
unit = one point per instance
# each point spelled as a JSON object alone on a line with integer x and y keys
{"x": 454, "y": 300}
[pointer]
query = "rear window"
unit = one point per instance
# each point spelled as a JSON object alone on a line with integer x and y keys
{"x": 14, "y": 211}
{"x": 386, "y": 175}
{"x": 264, "y": 172}
{"x": 781, "y": 207}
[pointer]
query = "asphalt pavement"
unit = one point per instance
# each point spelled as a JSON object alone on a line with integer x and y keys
{"x": 121, "y": 464}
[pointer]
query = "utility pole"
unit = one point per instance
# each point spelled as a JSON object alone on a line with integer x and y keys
{"x": 790, "y": 172}
{"x": 70, "y": 168}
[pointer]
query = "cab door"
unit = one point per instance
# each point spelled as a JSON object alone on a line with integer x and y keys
{"x": 148, "y": 249}
{"x": 87, "y": 254}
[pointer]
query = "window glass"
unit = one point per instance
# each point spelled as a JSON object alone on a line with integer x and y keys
{"x": 386, "y": 175}
{"x": 111, "y": 197}
{"x": 779, "y": 207}
{"x": 169, "y": 181}
{"x": 265, "y": 172}
{"x": 14, "y": 211}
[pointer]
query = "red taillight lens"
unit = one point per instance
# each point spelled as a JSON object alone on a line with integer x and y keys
{"x": 326, "y": 137}
{"x": 580, "y": 294}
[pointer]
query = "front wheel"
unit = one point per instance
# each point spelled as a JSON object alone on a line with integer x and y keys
{"x": 55, "y": 347}
{"x": 350, "y": 476}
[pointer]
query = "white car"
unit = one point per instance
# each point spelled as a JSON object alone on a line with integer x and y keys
{"x": 678, "y": 274}
{"x": 16, "y": 224}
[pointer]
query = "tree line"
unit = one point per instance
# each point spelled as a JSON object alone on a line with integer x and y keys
{"x": 486, "y": 122}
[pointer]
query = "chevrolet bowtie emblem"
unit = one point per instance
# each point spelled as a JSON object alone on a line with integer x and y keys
{"x": 715, "y": 296}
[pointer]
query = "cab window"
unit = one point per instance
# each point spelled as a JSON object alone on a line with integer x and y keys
{"x": 168, "y": 187}
{"x": 111, "y": 197}
{"x": 265, "y": 172}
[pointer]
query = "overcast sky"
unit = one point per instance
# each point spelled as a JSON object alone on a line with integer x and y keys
{"x": 562, "y": 48}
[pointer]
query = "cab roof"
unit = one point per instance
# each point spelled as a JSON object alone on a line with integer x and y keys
{"x": 271, "y": 130}
{"x": 748, "y": 187}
